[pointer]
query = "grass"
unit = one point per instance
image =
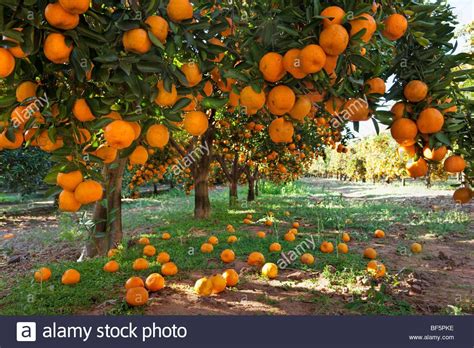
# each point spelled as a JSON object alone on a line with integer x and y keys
{"x": 323, "y": 213}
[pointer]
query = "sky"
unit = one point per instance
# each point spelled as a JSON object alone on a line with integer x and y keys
{"x": 464, "y": 11}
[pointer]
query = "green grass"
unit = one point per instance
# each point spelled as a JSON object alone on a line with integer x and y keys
{"x": 324, "y": 214}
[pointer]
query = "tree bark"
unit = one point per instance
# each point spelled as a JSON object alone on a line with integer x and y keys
{"x": 202, "y": 203}
{"x": 251, "y": 191}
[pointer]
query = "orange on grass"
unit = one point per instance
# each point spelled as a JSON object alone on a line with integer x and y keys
{"x": 59, "y": 18}
{"x": 26, "y": 90}
{"x": 346, "y": 237}
{"x": 70, "y": 277}
{"x": 415, "y": 91}
{"x": 417, "y": 168}
{"x": 335, "y": 15}
{"x": 158, "y": 136}
{"x": 134, "y": 282}
{"x": 169, "y": 269}
{"x": 342, "y": 248}
{"x": 454, "y": 164}
{"x": 140, "y": 264}
{"x": 111, "y": 266}
{"x": 370, "y": 253}
{"x": 356, "y": 109}
{"x": 179, "y": 10}
{"x": 112, "y": 252}
{"x": 231, "y": 277}
{"x": 136, "y": 41}
{"x": 119, "y": 134}
{"x": 379, "y": 234}
{"x": 295, "y": 224}
{"x": 163, "y": 257}
{"x": 364, "y": 21}
{"x": 213, "y": 240}
{"x": 69, "y": 181}
{"x": 261, "y": 234}
{"x": 375, "y": 86}
{"x": 281, "y": 131}
{"x": 430, "y": 121}
{"x": 289, "y": 236}
{"x": 88, "y": 191}
{"x": 56, "y": 49}
{"x": 376, "y": 269}
{"x": 196, "y": 123}
{"x": 270, "y": 270}
{"x": 193, "y": 74}
{"x": 227, "y": 256}
{"x": 144, "y": 241}
{"x": 159, "y": 27}
{"x": 232, "y": 239}
{"x": 334, "y": 40}
{"x": 271, "y": 67}
{"x": 256, "y": 259}
{"x": 137, "y": 296}
{"x": 274, "y": 247}
{"x": 307, "y": 259}
{"x": 7, "y": 63}
{"x": 313, "y": 59}
{"x": 166, "y": 236}
{"x": 164, "y": 97}
{"x": 218, "y": 283}
{"x": 396, "y": 26}
{"x": 292, "y": 63}
{"x": 462, "y": 195}
{"x": 149, "y": 250}
{"x": 404, "y": 131}
{"x": 138, "y": 156}
{"x": 416, "y": 248}
{"x": 75, "y": 6}
{"x": 203, "y": 287}
{"x": 207, "y": 248}
{"x": 326, "y": 247}
{"x": 68, "y": 202}
{"x": 42, "y": 275}
{"x": 436, "y": 155}
{"x": 155, "y": 282}
{"x": 229, "y": 228}
{"x": 106, "y": 153}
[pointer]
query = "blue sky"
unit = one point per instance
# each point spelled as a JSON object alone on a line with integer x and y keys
{"x": 464, "y": 10}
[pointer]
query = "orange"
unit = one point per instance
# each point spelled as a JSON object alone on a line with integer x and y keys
{"x": 169, "y": 269}
{"x": 404, "y": 131}
{"x": 68, "y": 202}
{"x": 164, "y": 97}
{"x": 218, "y": 283}
{"x": 334, "y": 105}
{"x": 313, "y": 59}
{"x": 149, "y": 250}
{"x": 69, "y": 181}
{"x": 88, "y": 191}
{"x": 56, "y": 49}
{"x": 342, "y": 248}
{"x": 454, "y": 164}
{"x": 207, "y": 248}
{"x": 377, "y": 269}
{"x": 275, "y": 247}
{"x": 179, "y": 10}
{"x": 334, "y": 40}
{"x": 111, "y": 266}
{"x": 143, "y": 241}
{"x": 134, "y": 282}
{"x": 16, "y": 51}
{"x": 415, "y": 91}
{"x": 59, "y": 18}
{"x": 418, "y": 168}
{"x": 416, "y": 248}
{"x": 375, "y": 86}
{"x": 83, "y": 136}
{"x": 346, "y": 237}
{"x": 281, "y": 131}
{"x": 75, "y": 6}
{"x": 157, "y": 136}
{"x": 155, "y": 282}
{"x": 26, "y": 90}
{"x": 370, "y": 253}
{"x": 42, "y": 275}
{"x": 399, "y": 110}
{"x": 379, "y": 234}
{"x": 163, "y": 257}
{"x": 307, "y": 259}
{"x": 119, "y": 134}
{"x": 261, "y": 234}
{"x": 232, "y": 239}
{"x": 196, "y": 123}
{"x": 106, "y": 153}
{"x": 136, "y": 41}
{"x": 256, "y": 259}
{"x": 289, "y": 237}
{"x": 82, "y": 111}
{"x": 364, "y": 21}
{"x": 326, "y": 247}
{"x": 193, "y": 74}
{"x": 213, "y": 240}
{"x": 70, "y": 277}
{"x": 227, "y": 256}
{"x": 270, "y": 270}
{"x": 462, "y": 195}
{"x": 335, "y": 15}
{"x": 203, "y": 287}
{"x": 112, "y": 252}
{"x": 292, "y": 63}
{"x": 7, "y": 63}
{"x": 137, "y": 296}
{"x": 229, "y": 228}
{"x": 231, "y": 277}
{"x": 330, "y": 65}
{"x": 301, "y": 109}
{"x": 140, "y": 264}
{"x": 166, "y": 236}
{"x": 295, "y": 224}
{"x": 436, "y": 155}
{"x": 396, "y": 26}
{"x": 430, "y": 121}
{"x": 159, "y": 27}
{"x": 356, "y": 109}
{"x": 251, "y": 100}
{"x": 138, "y": 156}
{"x": 271, "y": 66}
{"x": 46, "y": 144}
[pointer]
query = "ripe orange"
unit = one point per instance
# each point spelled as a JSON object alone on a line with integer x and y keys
{"x": 163, "y": 257}
{"x": 42, "y": 275}
{"x": 454, "y": 164}
{"x": 227, "y": 256}
{"x": 313, "y": 59}
{"x": 231, "y": 277}
{"x": 159, "y": 27}
{"x": 275, "y": 247}
{"x": 356, "y": 109}
{"x": 179, "y": 10}
{"x": 370, "y": 253}
{"x": 289, "y": 236}
{"x": 416, "y": 248}
{"x": 138, "y": 156}
{"x": 430, "y": 121}
{"x": 364, "y": 21}
{"x": 196, "y": 123}
{"x": 379, "y": 234}
{"x": 376, "y": 269}
{"x": 166, "y": 236}
{"x": 134, "y": 282}
{"x": 59, "y": 18}
{"x": 46, "y": 144}
{"x": 399, "y": 110}
{"x": 112, "y": 252}
{"x": 418, "y": 168}
{"x": 149, "y": 250}
{"x": 69, "y": 181}
{"x": 111, "y": 266}
{"x": 193, "y": 74}
{"x": 292, "y": 63}
{"x": 334, "y": 40}
{"x": 415, "y": 91}
{"x": 164, "y": 97}
{"x": 82, "y": 111}
{"x": 143, "y": 241}
{"x": 307, "y": 259}
{"x": 88, "y": 191}
{"x": 270, "y": 270}
{"x": 301, "y": 109}
{"x": 396, "y": 26}
{"x": 26, "y": 90}
{"x": 342, "y": 248}
{"x": 330, "y": 65}
{"x": 346, "y": 237}
{"x": 137, "y": 296}
{"x": 295, "y": 224}
{"x": 213, "y": 240}
{"x": 203, "y": 287}
{"x": 271, "y": 66}
{"x": 140, "y": 264}
{"x": 463, "y": 195}
{"x": 70, "y": 277}
{"x": 334, "y": 105}
{"x": 56, "y": 49}
{"x": 7, "y": 63}
{"x": 68, "y": 202}
{"x": 207, "y": 248}
{"x": 256, "y": 259}
{"x": 326, "y": 247}
{"x": 435, "y": 154}
{"x": 404, "y": 131}
{"x": 375, "y": 86}
{"x": 157, "y": 136}
{"x": 155, "y": 282}
{"x": 232, "y": 239}
{"x": 16, "y": 51}
{"x": 136, "y": 41}
{"x": 218, "y": 283}
{"x": 261, "y": 234}
{"x": 251, "y": 100}
{"x": 335, "y": 15}
{"x": 229, "y": 228}
{"x": 75, "y": 6}
{"x": 119, "y": 134}
{"x": 169, "y": 269}
{"x": 281, "y": 131}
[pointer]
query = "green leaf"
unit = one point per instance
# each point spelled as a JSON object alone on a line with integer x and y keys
{"x": 214, "y": 103}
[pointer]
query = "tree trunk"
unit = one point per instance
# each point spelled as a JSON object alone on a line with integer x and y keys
{"x": 251, "y": 191}
{"x": 201, "y": 168}
{"x": 257, "y": 191}
{"x": 233, "y": 193}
